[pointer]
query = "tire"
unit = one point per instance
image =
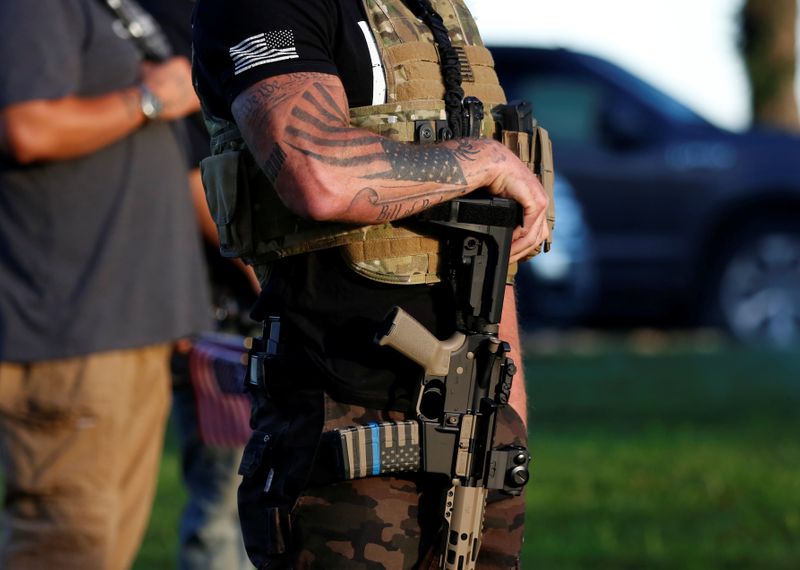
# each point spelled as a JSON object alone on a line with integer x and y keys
{"x": 754, "y": 291}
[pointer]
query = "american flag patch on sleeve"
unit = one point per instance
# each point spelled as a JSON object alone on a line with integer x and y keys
{"x": 262, "y": 49}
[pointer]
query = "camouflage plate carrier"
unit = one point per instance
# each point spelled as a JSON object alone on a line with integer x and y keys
{"x": 254, "y": 224}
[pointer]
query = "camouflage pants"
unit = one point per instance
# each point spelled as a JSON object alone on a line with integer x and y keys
{"x": 362, "y": 524}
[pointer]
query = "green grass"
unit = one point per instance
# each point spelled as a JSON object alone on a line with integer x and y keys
{"x": 675, "y": 458}
{"x": 665, "y": 497}
{"x": 161, "y": 540}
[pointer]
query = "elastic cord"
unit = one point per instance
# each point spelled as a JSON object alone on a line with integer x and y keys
{"x": 451, "y": 67}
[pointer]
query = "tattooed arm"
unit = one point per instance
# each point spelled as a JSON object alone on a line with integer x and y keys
{"x": 297, "y": 126}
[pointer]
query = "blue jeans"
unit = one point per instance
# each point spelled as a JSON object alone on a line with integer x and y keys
{"x": 210, "y": 537}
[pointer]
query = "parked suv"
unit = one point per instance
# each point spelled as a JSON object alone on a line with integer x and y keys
{"x": 688, "y": 222}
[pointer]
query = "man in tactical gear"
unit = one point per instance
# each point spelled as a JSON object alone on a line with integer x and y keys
{"x": 334, "y": 124}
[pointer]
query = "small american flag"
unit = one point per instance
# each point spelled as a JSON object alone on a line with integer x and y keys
{"x": 217, "y": 370}
{"x": 262, "y": 49}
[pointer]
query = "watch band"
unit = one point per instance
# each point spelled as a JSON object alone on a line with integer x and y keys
{"x": 150, "y": 104}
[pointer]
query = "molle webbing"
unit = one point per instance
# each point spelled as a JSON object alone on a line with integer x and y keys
{"x": 536, "y": 150}
{"x": 450, "y": 63}
{"x": 416, "y": 91}
{"x": 411, "y": 59}
{"x": 398, "y": 121}
{"x": 395, "y": 255}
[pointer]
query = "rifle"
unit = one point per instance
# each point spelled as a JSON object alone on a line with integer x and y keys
{"x": 467, "y": 378}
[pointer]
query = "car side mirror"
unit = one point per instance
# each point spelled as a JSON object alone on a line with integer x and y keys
{"x": 624, "y": 126}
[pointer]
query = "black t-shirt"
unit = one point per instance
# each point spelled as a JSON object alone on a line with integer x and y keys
{"x": 99, "y": 252}
{"x": 330, "y": 313}
{"x": 268, "y": 38}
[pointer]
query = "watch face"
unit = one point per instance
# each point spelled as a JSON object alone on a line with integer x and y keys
{"x": 151, "y": 105}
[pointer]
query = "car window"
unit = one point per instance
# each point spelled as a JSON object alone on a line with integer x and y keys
{"x": 657, "y": 100}
{"x": 568, "y": 107}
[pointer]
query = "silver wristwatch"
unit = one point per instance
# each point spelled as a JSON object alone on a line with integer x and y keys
{"x": 150, "y": 103}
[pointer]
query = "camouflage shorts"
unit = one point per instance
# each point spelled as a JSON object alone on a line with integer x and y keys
{"x": 363, "y": 524}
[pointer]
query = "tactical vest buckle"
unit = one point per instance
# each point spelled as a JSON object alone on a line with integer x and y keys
{"x": 266, "y": 348}
{"x": 427, "y": 132}
{"x": 472, "y": 113}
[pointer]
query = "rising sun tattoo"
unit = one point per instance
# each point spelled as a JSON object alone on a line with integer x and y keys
{"x": 274, "y": 164}
{"x": 320, "y": 128}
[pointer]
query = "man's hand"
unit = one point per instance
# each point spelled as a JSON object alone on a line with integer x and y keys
{"x": 71, "y": 127}
{"x": 208, "y": 228}
{"x": 517, "y": 182}
{"x": 171, "y": 82}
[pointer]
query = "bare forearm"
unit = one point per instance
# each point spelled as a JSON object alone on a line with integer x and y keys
{"x": 208, "y": 229}
{"x": 394, "y": 180}
{"x": 297, "y": 126}
{"x": 71, "y": 127}
{"x": 327, "y": 170}
{"x": 509, "y": 332}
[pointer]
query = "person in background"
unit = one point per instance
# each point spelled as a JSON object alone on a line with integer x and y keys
{"x": 209, "y": 537}
{"x": 100, "y": 271}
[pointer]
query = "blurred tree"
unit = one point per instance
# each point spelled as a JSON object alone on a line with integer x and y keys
{"x": 768, "y": 29}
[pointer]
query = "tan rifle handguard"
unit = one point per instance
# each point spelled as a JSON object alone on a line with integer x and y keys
{"x": 464, "y": 516}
